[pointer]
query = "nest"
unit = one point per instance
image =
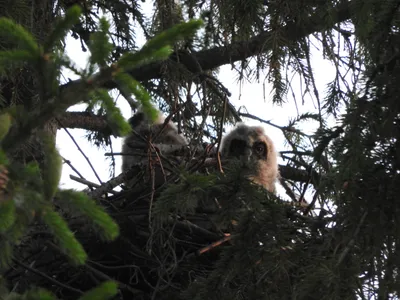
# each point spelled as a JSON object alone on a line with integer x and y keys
{"x": 162, "y": 248}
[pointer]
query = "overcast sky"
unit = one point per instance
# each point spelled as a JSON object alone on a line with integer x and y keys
{"x": 256, "y": 97}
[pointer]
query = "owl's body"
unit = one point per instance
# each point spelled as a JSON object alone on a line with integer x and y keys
{"x": 256, "y": 150}
{"x": 135, "y": 146}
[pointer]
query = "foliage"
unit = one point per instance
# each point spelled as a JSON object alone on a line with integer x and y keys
{"x": 175, "y": 241}
{"x": 33, "y": 187}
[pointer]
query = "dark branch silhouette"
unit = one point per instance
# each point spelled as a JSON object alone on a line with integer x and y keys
{"x": 204, "y": 60}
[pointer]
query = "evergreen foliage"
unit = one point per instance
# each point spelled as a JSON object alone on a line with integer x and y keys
{"x": 200, "y": 233}
{"x": 33, "y": 186}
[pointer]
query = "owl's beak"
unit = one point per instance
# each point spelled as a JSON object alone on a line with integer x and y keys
{"x": 246, "y": 155}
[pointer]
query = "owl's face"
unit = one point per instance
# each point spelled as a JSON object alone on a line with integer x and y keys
{"x": 246, "y": 149}
{"x": 246, "y": 143}
{"x": 255, "y": 150}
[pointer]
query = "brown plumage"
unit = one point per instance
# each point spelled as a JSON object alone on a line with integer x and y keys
{"x": 256, "y": 150}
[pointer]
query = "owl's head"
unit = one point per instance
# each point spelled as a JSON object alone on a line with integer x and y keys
{"x": 256, "y": 150}
{"x": 140, "y": 119}
{"x": 164, "y": 133}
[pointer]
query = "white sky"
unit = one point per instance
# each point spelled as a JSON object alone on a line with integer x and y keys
{"x": 250, "y": 95}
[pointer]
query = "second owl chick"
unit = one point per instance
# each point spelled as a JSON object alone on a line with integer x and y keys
{"x": 252, "y": 146}
{"x": 144, "y": 131}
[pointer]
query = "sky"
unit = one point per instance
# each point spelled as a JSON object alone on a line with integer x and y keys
{"x": 256, "y": 97}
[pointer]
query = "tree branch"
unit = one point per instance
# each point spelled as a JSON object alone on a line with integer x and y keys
{"x": 218, "y": 56}
{"x": 201, "y": 61}
{"x": 299, "y": 175}
{"x": 84, "y": 120}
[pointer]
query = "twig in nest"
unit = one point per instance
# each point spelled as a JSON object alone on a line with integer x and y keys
{"x": 151, "y": 149}
{"x": 219, "y": 162}
{"x": 68, "y": 162}
{"x": 111, "y": 184}
{"x": 194, "y": 229}
{"x": 220, "y": 134}
{"x": 84, "y": 181}
{"x": 213, "y": 245}
{"x": 207, "y": 155}
{"x": 91, "y": 184}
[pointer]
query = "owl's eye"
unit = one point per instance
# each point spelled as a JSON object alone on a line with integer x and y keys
{"x": 260, "y": 148}
{"x": 237, "y": 148}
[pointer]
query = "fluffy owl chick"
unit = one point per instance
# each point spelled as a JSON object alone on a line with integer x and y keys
{"x": 252, "y": 146}
{"x": 135, "y": 145}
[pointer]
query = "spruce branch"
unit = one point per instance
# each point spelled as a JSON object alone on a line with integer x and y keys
{"x": 100, "y": 46}
{"x": 158, "y": 48}
{"x": 218, "y": 56}
{"x": 63, "y": 234}
{"x": 7, "y": 214}
{"x": 62, "y": 27}
{"x": 52, "y": 166}
{"x": 114, "y": 116}
{"x": 104, "y": 276}
{"x": 10, "y": 57}
{"x": 17, "y": 34}
{"x": 49, "y": 278}
{"x": 95, "y": 214}
{"x": 105, "y": 290}
{"x": 207, "y": 59}
{"x": 80, "y": 90}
